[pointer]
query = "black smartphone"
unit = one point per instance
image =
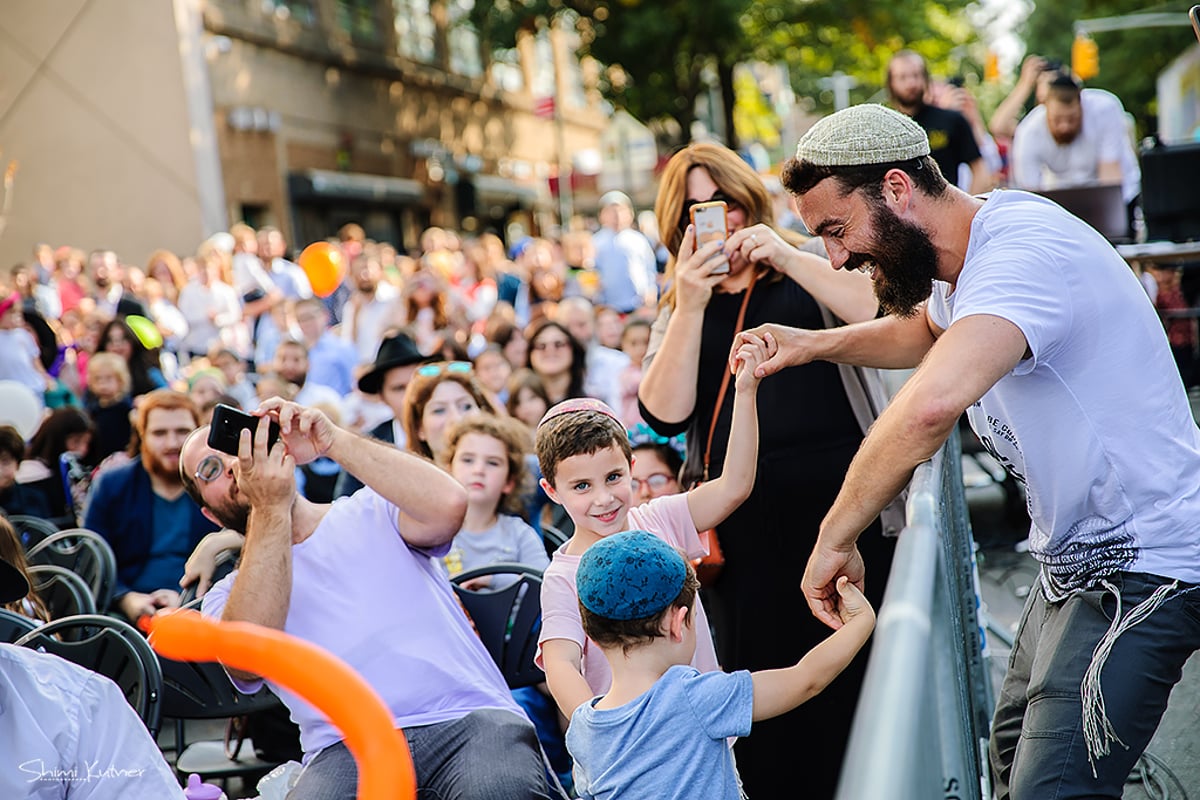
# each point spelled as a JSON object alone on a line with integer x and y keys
{"x": 1195, "y": 15}
{"x": 228, "y": 424}
{"x": 957, "y": 81}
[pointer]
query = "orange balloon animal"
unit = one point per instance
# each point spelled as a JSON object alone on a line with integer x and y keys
{"x": 385, "y": 769}
{"x": 324, "y": 265}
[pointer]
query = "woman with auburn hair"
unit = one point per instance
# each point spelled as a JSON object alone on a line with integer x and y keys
{"x": 166, "y": 268}
{"x": 812, "y": 420}
{"x": 439, "y": 395}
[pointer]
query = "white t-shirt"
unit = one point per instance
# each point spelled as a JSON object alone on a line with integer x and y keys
{"x": 68, "y": 732}
{"x": 1096, "y": 422}
{"x": 1039, "y": 162}
{"x": 669, "y": 519}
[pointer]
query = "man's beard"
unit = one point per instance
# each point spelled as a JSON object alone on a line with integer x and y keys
{"x": 231, "y": 514}
{"x": 1065, "y": 138}
{"x": 914, "y": 100}
{"x": 905, "y": 261}
{"x": 159, "y": 468}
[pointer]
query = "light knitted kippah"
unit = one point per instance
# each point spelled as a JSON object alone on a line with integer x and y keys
{"x": 860, "y": 135}
{"x": 577, "y": 404}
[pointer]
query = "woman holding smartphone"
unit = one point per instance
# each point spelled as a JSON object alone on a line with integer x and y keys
{"x": 812, "y": 419}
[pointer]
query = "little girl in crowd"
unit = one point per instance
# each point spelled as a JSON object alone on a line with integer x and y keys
{"x": 486, "y": 454}
{"x": 109, "y": 404}
{"x": 635, "y": 340}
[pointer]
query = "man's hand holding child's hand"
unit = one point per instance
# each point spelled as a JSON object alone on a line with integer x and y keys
{"x": 747, "y": 358}
{"x": 853, "y": 603}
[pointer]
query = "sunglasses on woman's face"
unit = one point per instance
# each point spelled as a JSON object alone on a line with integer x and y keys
{"x": 685, "y": 216}
{"x": 433, "y": 370}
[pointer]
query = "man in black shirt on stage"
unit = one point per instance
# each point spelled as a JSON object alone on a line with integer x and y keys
{"x": 951, "y": 141}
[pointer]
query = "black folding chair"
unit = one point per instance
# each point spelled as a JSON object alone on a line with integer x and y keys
{"x": 31, "y": 530}
{"x": 112, "y": 648}
{"x": 85, "y": 553}
{"x": 508, "y": 620}
{"x": 553, "y": 538}
{"x": 202, "y": 690}
{"x": 13, "y": 626}
{"x": 226, "y": 562}
{"x": 64, "y": 593}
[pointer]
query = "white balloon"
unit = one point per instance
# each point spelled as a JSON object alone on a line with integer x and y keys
{"x": 20, "y": 408}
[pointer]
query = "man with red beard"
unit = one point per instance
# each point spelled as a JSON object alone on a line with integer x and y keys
{"x": 141, "y": 509}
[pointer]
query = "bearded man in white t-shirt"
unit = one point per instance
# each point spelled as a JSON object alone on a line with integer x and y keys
{"x": 1022, "y": 316}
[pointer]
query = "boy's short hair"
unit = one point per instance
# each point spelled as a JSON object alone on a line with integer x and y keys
{"x": 113, "y": 363}
{"x": 12, "y": 443}
{"x": 627, "y": 583}
{"x": 515, "y": 438}
{"x": 575, "y": 427}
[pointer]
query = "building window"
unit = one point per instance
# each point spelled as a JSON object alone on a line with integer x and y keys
{"x": 463, "y": 39}
{"x": 357, "y": 18}
{"x": 506, "y": 70}
{"x": 301, "y": 11}
{"x": 415, "y": 31}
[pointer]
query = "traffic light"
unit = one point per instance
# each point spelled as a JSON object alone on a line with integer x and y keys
{"x": 991, "y": 67}
{"x": 1085, "y": 57}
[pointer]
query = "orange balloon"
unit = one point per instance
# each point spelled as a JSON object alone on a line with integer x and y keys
{"x": 324, "y": 265}
{"x": 385, "y": 768}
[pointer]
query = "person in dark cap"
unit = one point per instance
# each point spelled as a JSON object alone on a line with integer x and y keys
{"x": 395, "y": 363}
{"x": 1024, "y": 317}
{"x": 662, "y": 730}
{"x": 67, "y": 731}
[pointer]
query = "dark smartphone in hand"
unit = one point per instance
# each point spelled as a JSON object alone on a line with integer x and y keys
{"x": 228, "y": 424}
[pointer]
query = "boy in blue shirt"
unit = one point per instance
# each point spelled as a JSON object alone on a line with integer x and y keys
{"x": 661, "y": 730}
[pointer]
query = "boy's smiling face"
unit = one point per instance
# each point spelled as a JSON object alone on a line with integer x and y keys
{"x": 595, "y": 490}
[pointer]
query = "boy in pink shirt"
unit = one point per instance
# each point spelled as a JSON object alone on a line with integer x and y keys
{"x": 585, "y": 459}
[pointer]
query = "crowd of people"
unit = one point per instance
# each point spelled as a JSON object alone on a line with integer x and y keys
{"x": 654, "y": 401}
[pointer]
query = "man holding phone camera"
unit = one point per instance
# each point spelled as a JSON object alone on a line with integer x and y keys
{"x": 356, "y": 578}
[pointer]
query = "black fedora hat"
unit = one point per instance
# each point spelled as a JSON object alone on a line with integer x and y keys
{"x": 397, "y": 350}
{"x": 13, "y": 585}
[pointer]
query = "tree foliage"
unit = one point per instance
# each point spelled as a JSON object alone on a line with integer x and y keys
{"x": 1130, "y": 60}
{"x": 857, "y": 37}
{"x": 669, "y": 51}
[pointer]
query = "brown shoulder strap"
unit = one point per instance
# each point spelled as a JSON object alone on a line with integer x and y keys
{"x": 737, "y": 328}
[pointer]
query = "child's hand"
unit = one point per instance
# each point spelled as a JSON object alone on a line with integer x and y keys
{"x": 751, "y": 353}
{"x": 853, "y": 602}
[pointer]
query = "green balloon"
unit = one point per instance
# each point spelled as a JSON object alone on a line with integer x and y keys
{"x": 145, "y": 330}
